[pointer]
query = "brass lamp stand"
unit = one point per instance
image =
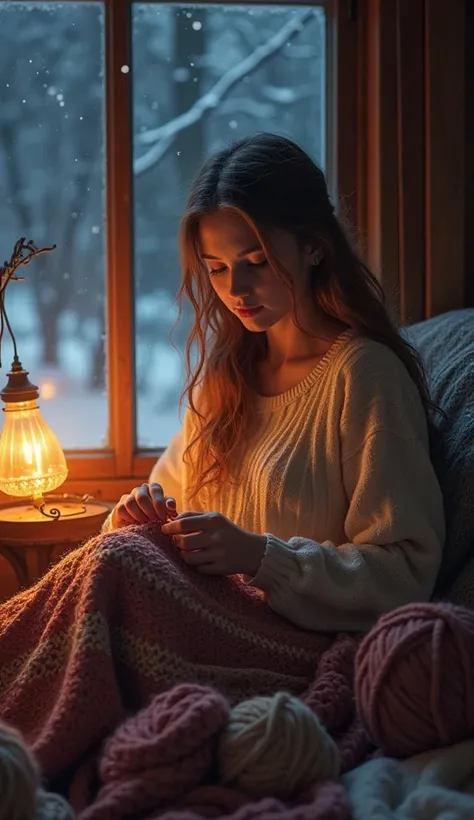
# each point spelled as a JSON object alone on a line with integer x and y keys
{"x": 39, "y": 527}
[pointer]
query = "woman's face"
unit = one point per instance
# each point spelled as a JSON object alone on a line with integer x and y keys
{"x": 241, "y": 275}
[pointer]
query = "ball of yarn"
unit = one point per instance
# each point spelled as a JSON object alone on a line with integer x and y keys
{"x": 19, "y": 777}
{"x": 160, "y": 753}
{"x": 275, "y": 746}
{"x": 52, "y": 807}
{"x": 20, "y": 795}
{"x": 415, "y": 679}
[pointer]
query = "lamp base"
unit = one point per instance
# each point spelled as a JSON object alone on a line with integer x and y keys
{"x": 31, "y": 542}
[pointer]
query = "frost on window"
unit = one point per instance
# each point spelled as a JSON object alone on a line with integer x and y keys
{"x": 205, "y": 75}
{"x": 52, "y": 191}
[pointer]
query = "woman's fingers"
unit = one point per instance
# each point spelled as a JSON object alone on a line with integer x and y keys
{"x": 120, "y": 516}
{"x": 200, "y": 557}
{"x": 171, "y": 508}
{"x": 145, "y": 503}
{"x": 158, "y": 502}
{"x": 139, "y": 505}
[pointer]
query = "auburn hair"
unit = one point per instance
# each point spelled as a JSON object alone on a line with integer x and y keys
{"x": 272, "y": 183}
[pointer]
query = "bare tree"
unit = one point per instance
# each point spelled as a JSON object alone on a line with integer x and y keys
{"x": 162, "y": 138}
{"x": 52, "y": 154}
{"x": 52, "y": 144}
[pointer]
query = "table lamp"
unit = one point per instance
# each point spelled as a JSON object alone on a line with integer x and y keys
{"x": 35, "y": 526}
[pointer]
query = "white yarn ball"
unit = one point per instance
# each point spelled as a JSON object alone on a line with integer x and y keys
{"x": 18, "y": 777}
{"x": 275, "y": 746}
{"x": 52, "y": 807}
{"x": 20, "y": 795}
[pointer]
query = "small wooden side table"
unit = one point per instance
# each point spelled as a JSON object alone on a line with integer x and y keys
{"x": 31, "y": 542}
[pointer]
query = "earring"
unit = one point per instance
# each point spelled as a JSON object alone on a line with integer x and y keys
{"x": 318, "y": 257}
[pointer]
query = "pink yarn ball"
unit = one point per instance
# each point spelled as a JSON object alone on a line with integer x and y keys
{"x": 415, "y": 679}
{"x": 160, "y": 753}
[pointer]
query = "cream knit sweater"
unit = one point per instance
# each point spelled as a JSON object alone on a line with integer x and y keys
{"x": 338, "y": 476}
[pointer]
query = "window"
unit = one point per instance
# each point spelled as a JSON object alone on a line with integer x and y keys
{"x": 202, "y": 76}
{"x": 106, "y": 112}
{"x": 52, "y": 172}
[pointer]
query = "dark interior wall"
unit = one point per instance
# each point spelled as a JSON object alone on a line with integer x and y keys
{"x": 470, "y": 153}
{"x": 417, "y": 148}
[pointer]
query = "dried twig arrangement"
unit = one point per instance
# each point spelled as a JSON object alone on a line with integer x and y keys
{"x": 22, "y": 255}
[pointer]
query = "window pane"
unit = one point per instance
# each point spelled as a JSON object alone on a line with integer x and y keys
{"x": 277, "y": 58}
{"x": 52, "y": 191}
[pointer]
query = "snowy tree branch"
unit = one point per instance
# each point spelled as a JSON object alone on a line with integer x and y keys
{"x": 261, "y": 108}
{"x": 160, "y": 139}
{"x": 246, "y": 106}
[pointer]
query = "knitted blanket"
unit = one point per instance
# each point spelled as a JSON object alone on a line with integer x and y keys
{"x": 121, "y": 620}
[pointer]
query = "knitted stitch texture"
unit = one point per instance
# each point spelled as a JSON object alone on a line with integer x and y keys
{"x": 122, "y": 619}
{"x": 166, "y": 751}
{"x": 162, "y": 752}
{"x": 327, "y": 801}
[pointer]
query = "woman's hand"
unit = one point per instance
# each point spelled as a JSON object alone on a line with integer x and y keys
{"x": 214, "y": 545}
{"x": 144, "y": 504}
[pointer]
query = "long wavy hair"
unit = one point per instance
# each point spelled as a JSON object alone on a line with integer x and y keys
{"x": 272, "y": 183}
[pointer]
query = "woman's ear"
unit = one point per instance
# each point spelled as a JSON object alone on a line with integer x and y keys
{"x": 315, "y": 254}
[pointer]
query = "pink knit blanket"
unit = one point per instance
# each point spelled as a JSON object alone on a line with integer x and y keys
{"x": 122, "y": 620}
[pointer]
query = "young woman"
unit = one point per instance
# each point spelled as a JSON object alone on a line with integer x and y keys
{"x": 303, "y": 462}
{"x": 302, "y": 473}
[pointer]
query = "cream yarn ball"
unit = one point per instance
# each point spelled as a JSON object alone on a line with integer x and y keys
{"x": 52, "y": 807}
{"x": 19, "y": 778}
{"x": 20, "y": 795}
{"x": 275, "y": 746}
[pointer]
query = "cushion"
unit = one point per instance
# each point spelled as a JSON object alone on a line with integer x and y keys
{"x": 446, "y": 346}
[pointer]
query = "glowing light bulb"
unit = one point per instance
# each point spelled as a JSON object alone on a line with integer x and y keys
{"x": 31, "y": 459}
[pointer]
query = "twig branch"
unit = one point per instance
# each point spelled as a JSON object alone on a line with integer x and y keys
{"x": 163, "y": 137}
{"x": 22, "y": 255}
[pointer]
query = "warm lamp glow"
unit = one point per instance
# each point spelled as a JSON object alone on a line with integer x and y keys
{"x": 31, "y": 459}
{"x": 48, "y": 390}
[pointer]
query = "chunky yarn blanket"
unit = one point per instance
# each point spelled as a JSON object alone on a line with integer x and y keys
{"x": 121, "y": 621}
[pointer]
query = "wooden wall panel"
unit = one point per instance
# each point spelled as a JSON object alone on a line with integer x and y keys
{"x": 415, "y": 183}
{"x": 344, "y": 54}
{"x": 444, "y": 154}
{"x": 382, "y": 151}
{"x": 411, "y": 171}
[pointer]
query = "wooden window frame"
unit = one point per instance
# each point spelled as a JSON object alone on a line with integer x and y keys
{"x": 107, "y": 474}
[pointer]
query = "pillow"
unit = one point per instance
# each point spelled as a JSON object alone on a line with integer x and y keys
{"x": 446, "y": 346}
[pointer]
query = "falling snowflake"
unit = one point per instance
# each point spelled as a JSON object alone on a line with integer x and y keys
{"x": 181, "y": 74}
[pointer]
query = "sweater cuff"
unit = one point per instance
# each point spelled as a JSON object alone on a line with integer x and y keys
{"x": 277, "y": 565}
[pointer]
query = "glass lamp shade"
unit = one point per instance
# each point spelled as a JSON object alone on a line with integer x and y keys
{"x": 31, "y": 459}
